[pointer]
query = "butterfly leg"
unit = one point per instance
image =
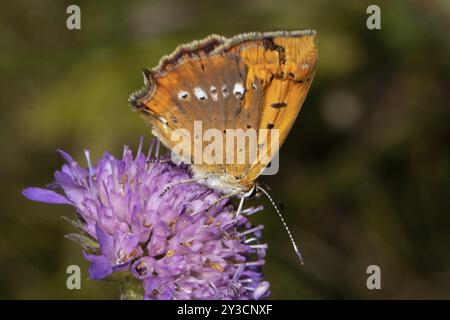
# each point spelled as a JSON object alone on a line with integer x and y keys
{"x": 241, "y": 205}
{"x": 171, "y": 185}
{"x": 152, "y": 159}
{"x": 159, "y": 160}
{"x": 155, "y": 158}
{"x": 244, "y": 196}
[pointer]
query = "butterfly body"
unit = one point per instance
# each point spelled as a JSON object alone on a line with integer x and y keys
{"x": 224, "y": 182}
{"x": 254, "y": 81}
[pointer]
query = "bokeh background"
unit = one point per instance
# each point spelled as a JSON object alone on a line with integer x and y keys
{"x": 365, "y": 172}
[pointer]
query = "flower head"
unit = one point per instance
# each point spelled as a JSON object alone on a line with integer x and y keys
{"x": 172, "y": 240}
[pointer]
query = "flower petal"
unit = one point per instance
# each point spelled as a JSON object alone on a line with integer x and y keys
{"x": 44, "y": 195}
{"x": 176, "y": 245}
{"x": 261, "y": 290}
{"x": 106, "y": 242}
{"x": 100, "y": 267}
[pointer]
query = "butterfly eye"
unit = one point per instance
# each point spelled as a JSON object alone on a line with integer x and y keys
{"x": 238, "y": 90}
{"x": 200, "y": 94}
{"x": 183, "y": 95}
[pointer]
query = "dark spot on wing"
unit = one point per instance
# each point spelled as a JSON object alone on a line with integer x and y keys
{"x": 278, "y": 105}
{"x": 224, "y": 90}
{"x": 269, "y": 44}
{"x": 184, "y": 96}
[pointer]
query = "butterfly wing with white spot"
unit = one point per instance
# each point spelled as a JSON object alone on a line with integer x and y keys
{"x": 249, "y": 82}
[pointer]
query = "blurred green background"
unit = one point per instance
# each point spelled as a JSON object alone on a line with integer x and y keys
{"x": 365, "y": 172}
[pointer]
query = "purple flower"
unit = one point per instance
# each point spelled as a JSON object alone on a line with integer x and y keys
{"x": 173, "y": 243}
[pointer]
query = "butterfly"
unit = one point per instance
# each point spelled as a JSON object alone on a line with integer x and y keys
{"x": 250, "y": 81}
{"x": 253, "y": 81}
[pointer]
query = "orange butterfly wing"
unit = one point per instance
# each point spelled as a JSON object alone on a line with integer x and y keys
{"x": 287, "y": 78}
{"x": 276, "y": 70}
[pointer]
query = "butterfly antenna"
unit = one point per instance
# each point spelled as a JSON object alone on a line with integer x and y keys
{"x": 297, "y": 251}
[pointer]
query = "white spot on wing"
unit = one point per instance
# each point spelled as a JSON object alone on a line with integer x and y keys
{"x": 183, "y": 95}
{"x": 214, "y": 94}
{"x": 224, "y": 90}
{"x": 238, "y": 90}
{"x": 200, "y": 93}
